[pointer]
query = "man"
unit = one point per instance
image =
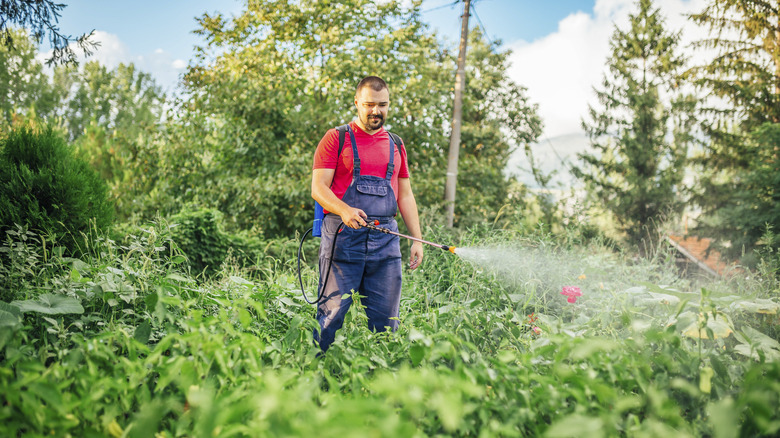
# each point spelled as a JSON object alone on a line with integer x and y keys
{"x": 366, "y": 182}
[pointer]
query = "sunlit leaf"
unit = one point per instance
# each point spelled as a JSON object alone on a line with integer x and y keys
{"x": 664, "y": 298}
{"x": 77, "y": 264}
{"x": 575, "y": 426}
{"x": 416, "y": 353}
{"x": 591, "y": 346}
{"x": 754, "y": 343}
{"x": 765, "y": 306}
{"x": 180, "y": 278}
{"x": 719, "y": 327}
{"x": 51, "y": 304}
{"x": 705, "y": 379}
{"x": 244, "y": 317}
{"x": 9, "y": 315}
{"x": 238, "y": 280}
{"x": 724, "y": 418}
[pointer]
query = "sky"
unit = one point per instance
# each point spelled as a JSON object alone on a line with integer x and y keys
{"x": 559, "y": 47}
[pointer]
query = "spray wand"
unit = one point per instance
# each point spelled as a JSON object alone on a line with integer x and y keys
{"x": 375, "y": 226}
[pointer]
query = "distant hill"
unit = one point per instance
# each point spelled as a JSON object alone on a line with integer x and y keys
{"x": 555, "y": 154}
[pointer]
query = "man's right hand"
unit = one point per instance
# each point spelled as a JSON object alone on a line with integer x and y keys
{"x": 354, "y": 218}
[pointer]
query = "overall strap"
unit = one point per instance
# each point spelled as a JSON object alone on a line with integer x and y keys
{"x": 390, "y": 166}
{"x": 355, "y": 156}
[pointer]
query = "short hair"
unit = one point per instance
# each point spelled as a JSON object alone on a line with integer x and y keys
{"x": 375, "y": 82}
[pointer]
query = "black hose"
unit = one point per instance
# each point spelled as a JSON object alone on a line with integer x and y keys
{"x": 320, "y": 290}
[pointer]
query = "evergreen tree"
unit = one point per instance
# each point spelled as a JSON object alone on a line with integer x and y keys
{"x": 44, "y": 186}
{"x": 640, "y": 131}
{"x": 738, "y": 188}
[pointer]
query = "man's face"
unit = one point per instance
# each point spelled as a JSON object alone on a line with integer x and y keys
{"x": 372, "y": 108}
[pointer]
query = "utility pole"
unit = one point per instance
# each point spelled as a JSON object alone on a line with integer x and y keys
{"x": 460, "y": 85}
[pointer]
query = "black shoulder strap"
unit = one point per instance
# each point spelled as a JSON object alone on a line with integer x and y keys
{"x": 396, "y": 139}
{"x": 342, "y": 134}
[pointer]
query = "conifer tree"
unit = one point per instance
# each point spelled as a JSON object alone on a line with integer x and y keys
{"x": 639, "y": 130}
{"x": 40, "y": 18}
{"x": 738, "y": 189}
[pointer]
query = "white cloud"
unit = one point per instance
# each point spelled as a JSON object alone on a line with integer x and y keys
{"x": 112, "y": 51}
{"x": 561, "y": 69}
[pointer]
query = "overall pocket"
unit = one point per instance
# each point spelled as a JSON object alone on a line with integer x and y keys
{"x": 372, "y": 189}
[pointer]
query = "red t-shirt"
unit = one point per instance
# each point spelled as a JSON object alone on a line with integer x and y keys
{"x": 373, "y": 151}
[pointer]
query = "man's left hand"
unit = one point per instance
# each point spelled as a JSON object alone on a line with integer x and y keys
{"x": 416, "y": 255}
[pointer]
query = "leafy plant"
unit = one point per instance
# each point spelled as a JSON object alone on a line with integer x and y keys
{"x": 482, "y": 348}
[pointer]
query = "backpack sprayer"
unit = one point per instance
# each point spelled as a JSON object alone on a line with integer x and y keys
{"x": 316, "y": 231}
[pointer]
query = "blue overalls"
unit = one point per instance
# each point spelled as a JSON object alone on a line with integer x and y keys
{"x": 365, "y": 261}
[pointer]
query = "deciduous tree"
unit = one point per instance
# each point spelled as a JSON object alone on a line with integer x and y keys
{"x": 268, "y": 83}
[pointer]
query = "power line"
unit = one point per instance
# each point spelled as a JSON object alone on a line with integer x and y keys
{"x": 441, "y": 6}
{"x": 484, "y": 30}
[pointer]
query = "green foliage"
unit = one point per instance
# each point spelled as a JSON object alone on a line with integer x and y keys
{"x": 153, "y": 351}
{"x": 768, "y": 253}
{"x": 754, "y": 202}
{"x": 34, "y": 94}
{"x": 493, "y": 106}
{"x": 125, "y": 101}
{"x": 112, "y": 116}
{"x": 736, "y": 182}
{"x": 247, "y": 133}
{"x": 41, "y": 18}
{"x": 745, "y": 70}
{"x": 637, "y": 168}
{"x": 200, "y": 234}
{"x": 44, "y": 186}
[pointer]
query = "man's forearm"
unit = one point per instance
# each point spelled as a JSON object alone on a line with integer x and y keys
{"x": 327, "y": 199}
{"x": 408, "y": 208}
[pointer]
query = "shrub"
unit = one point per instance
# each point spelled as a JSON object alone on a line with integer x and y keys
{"x": 43, "y": 185}
{"x": 200, "y": 234}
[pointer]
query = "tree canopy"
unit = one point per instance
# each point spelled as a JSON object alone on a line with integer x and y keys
{"x": 270, "y": 82}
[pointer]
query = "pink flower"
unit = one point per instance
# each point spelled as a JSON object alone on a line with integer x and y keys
{"x": 536, "y": 330}
{"x": 572, "y": 292}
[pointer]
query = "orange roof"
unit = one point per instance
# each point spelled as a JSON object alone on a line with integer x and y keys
{"x": 698, "y": 250}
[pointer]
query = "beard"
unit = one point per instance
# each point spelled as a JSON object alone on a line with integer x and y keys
{"x": 374, "y": 122}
